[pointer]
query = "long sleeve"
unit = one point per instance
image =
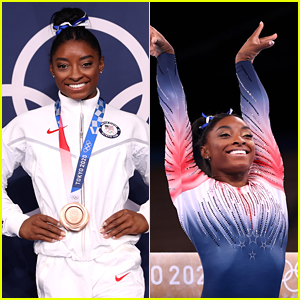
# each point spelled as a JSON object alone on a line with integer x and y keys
{"x": 140, "y": 151}
{"x": 144, "y": 210}
{"x": 12, "y": 156}
{"x": 181, "y": 170}
{"x": 255, "y": 111}
{"x": 140, "y": 154}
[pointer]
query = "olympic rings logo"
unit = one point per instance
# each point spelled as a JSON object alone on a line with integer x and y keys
{"x": 19, "y": 92}
{"x": 288, "y": 275}
{"x": 87, "y": 146}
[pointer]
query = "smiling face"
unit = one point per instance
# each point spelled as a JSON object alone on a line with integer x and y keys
{"x": 76, "y": 67}
{"x": 230, "y": 147}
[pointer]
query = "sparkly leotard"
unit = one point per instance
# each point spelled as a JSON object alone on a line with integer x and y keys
{"x": 239, "y": 233}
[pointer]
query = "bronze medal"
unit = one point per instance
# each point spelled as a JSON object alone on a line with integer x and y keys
{"x": 74, "y": 216}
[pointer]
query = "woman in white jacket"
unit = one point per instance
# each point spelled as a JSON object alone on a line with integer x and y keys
{"x": 103, "y": 146}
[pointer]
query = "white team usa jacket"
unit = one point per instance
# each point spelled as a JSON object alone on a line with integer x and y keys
{"x": 32, "y": 140}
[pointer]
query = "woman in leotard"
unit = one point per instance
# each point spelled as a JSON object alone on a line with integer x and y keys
{"x": 233, "y": 206}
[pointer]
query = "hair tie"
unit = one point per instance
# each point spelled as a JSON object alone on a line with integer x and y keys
{"x": 79, "y": 22}
{"x": 209, "y": 118}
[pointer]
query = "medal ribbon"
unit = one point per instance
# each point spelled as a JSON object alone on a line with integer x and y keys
{"x": 85, "y": 153}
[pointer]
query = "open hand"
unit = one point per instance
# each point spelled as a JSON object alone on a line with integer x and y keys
{"x": 122, "y": 223}
{"x": 41, "y": 227}
{"x": 255, "y": 44}
{"x": 158, "y": 44}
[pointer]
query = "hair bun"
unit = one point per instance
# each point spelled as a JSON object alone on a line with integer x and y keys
{"x": 70, "y": 24}
{"x": 67, "y": 14}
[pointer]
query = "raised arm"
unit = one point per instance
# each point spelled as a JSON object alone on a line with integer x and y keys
{"x": 181, "y": 170}
{"x": 255, "y": 110}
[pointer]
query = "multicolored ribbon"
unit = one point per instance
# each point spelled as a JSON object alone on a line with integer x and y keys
{"x": 79, "y": 22}
{"x": 209, "y": 118}
{"x": 85, "y": 153}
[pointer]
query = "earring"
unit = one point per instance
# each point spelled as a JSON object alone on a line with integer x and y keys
{"x": 53, "y": 75}
{"x": 207, "y": 157}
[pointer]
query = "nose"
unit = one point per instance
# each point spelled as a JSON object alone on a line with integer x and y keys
{"x": 239, "y": 140}
{"x": 75, "y": 73}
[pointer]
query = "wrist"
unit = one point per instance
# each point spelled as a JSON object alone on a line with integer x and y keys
{"x": 242, "y": 57}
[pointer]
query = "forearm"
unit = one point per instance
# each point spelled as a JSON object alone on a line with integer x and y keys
{"x": 12, "y": 216}
{"x": 254, "y": 99}
{"x": 170, "y": 90}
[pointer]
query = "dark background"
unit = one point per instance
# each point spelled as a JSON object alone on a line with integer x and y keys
{"x": 206, "y": 37}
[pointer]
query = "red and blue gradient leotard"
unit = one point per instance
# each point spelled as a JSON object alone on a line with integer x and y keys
{"x": 239, "y": 233}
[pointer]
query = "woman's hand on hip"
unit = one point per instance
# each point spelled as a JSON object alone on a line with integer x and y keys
{"x": 41, "y": 227}
{"x": 255, "y": 44}
{"x": 124, "y": 222}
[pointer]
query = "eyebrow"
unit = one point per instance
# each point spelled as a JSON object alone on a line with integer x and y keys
{"x": 229, "y": 127}
{"x": 81, "y": 58}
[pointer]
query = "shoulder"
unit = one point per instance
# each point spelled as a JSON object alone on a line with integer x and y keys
{"x": 126, "y": 126}
{"x": 124, "y": 119}
{"x": 30, "y": 119}
{"x": 31, "y": 115}
{"x": 115, "y": 113}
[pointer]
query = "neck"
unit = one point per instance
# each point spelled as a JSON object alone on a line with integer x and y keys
{"x": 236, "y": 179}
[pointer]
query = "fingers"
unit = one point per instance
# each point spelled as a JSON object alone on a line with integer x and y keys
{"x": 118, "y": 231}
{"x": 115, "y": 224}
{"x": 41, "y": 227}
{"x": 153, "y": 38}
{"x": 264, "y": 42}
{"x": 158, "y": 44}
{"x": 48, "y": 229}
{"x": 50, "y": 220}
{"x": 46, "y": 235}
{"x": 258, "y": 30}
{"x": 122, "y": 223}
{"x": 254, "y": 45}
{"x": 267, "y": 42}
{"x": 110, "y": 223}
{"x": 269, "y": 38}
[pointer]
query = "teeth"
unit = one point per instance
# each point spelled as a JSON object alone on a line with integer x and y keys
{"x": 238, "y": 152}
{"x": 76, "y": 86}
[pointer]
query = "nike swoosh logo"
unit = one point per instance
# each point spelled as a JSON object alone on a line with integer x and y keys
{"x": 120, "y": 278}
{"x": 51, "y": 131}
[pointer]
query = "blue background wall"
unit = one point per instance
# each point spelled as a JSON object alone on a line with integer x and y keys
{"x": 123, "y": 69}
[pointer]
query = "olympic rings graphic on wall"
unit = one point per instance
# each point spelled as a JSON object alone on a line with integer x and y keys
{"x": 288, "y": 275}
{"x": 19, "y": 92}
